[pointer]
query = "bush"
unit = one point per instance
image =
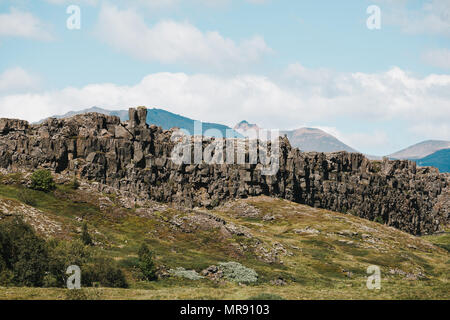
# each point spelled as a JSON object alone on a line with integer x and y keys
{"x": 27, "y": 197}
{"x": 236, "y": 272}
{"x": 85, "y": 236}
{"x": 379, "y": 219}
{"x": 42, "y": 180}
{"x": 183, "y": 273}
{"x": 105, "y": 272}
{"x": 146, "y": 263}
{"x": 27, "y": 260}
{"x": 63, "y": 254}
{"x": 6, "y": 278}
{"x": 22, "y": 253}
{"x": 50, "y": 281}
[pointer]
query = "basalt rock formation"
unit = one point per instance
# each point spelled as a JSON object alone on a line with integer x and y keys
{"x": 134, "y": 157}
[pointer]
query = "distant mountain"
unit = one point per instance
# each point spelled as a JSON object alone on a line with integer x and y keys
{"x": 162, "y": 118}
{"x": 247, "y": 129}
{"x": 313, "y": 139}
{"x": 420, "y": 150}
{"x": 306, "y": 139}
{"x": 245, "y": 126}
{"x": 440, "y": 159}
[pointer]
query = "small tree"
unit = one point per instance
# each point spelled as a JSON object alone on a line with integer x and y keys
{"x": 85, "y": 236}
{"x": 42, "y": 180}
{"x": 24, "y": 254}
{"x": 146, "y": 263}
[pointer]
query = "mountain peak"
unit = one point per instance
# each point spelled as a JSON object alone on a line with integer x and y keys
{"x": 421, "y": 149}
{"x": 244, "y": 126}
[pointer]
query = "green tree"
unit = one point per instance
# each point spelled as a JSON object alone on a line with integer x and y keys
{"x": 23, "y": 253}
{"x": 42, "y": 180}
{"x": 146, "y": 263}
{"x": 62, "y": 254}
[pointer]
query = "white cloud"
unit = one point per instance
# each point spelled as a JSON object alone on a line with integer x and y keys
{"x": 394, "y": 95}
{"x": 17, "y": 80}
{"x": 175, "y": 42}
{"x": 432, "y": 130}
{"x": 18, "y": 23}
{"x": 433, "y": 17}
{"x": 438, "y": 58}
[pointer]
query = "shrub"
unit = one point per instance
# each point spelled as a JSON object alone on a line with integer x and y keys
{"x": 236, "y": 272}
{"x": 183, "y": 273}
{"x": 50, "y": 281}
{"x": 105, "y": 272}
{"x": 63, "y": 254}
{"x": 379, "y": 219}
{"x": 42, "y": 180}
{"x": 23, "y": 253}
{"x": 146, "y": 263}
{"x": 6, "y": 278}
{"x": 27, "y": 197}
{"x": 85, "y": 236}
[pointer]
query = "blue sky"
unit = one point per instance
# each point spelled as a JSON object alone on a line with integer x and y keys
{"x": 281, "y": 64}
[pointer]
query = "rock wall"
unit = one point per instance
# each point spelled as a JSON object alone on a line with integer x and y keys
{"x": 135, "y": 157}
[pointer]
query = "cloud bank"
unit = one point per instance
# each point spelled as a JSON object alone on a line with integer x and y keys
{"x": 299, "y": 97}
{"x": 169, "y": 41}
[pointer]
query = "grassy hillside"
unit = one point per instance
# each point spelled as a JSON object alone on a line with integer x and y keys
{"x": 299, "y": 252}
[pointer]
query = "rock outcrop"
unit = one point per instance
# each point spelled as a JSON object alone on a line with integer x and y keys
{"x": 134, "y": 157}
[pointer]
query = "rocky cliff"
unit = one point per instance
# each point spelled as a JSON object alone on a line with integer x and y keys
{"x": 134, "y": 157}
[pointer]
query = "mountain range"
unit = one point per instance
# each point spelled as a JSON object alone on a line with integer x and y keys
{"x": 306, "y": 139}
{"x": 162, "y": 118}
{"x": 420, "y": 150}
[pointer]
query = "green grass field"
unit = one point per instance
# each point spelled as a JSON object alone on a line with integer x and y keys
{"x": 317, "y": 253}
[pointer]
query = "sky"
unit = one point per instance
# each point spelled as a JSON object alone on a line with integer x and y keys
{"x": 281, "y": 64}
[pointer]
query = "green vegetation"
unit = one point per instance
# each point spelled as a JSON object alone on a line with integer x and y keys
{"x": 28, "y": 260}
{"x": 379, "y": 219}
{"x": 23, "y": 255}
{"x": 146, "y": 263}
{"x": 42, "y": 180}
{"x": 318, "y": 254}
